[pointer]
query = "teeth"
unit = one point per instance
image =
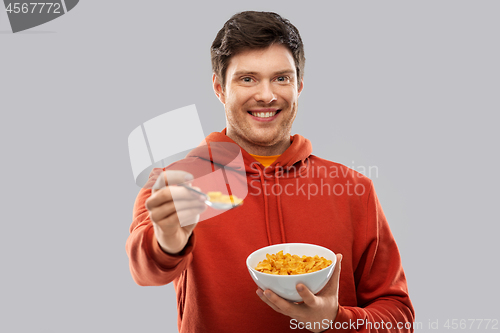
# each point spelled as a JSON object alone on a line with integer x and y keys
{"x": 264, "y": 114}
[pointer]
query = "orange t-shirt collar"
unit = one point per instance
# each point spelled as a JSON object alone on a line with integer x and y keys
{"x": 265, "y": 160}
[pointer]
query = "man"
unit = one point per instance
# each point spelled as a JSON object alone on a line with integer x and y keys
{"x": 258, "y": 64}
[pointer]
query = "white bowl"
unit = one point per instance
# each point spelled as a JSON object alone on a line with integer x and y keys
{"x": 284, "y": 285}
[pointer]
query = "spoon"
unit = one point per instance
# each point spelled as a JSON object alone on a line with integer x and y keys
{"x": 214, "y": 205}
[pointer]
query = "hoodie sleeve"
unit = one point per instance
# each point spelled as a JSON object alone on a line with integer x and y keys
{"x": 383, "y": 301}
{"x": 149, "y": 264}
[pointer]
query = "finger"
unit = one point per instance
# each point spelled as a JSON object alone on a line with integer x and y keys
{"x": 181, "y": 218}
{"x": 260, "y": 293}
{"x": 171, "y": 177}
{"x": 161, "y": 212}
{"x": 307, "y": 296}
{"x": 336, "y": 273}
{"x": 170, "y": 193}
{"x": 332, "y": 286}
{"x": 190, "y": 216}
{"x": 283, "y": 305}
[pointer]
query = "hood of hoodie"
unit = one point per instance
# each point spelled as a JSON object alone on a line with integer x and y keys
{"x": 221, "y": 149}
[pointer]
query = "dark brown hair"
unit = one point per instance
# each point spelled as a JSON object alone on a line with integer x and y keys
{"x": 255, "y": 30}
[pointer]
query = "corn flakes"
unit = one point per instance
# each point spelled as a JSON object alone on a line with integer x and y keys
{"x": 222, "y": 198}
{"x": 287, "y": 264}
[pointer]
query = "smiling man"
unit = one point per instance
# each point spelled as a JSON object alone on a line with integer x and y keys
{"x": 293, "y": 197}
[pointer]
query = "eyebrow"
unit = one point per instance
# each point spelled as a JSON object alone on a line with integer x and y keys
{"x": 284, "y": 71}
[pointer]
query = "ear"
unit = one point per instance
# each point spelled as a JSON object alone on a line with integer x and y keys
{"x": 301, "y": 86}
{"x": 219, "y": 91}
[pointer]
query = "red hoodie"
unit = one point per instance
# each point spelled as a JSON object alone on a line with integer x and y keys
{"x": 300, "y": 198}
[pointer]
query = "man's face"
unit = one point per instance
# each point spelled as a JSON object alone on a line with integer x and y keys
{"x": 260, "y": 96}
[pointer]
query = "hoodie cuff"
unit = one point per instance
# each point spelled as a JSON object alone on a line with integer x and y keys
{"x": 343, "y": 321}
{"x": 169, "y": 261}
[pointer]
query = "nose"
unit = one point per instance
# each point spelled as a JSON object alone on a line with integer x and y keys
{"x": 265, "y": 93}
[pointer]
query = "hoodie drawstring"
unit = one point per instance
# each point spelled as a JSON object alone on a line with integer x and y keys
{"x": 261, "y": 174}
{"x": 266, "y": 207}
{"x": 282, "y": 224}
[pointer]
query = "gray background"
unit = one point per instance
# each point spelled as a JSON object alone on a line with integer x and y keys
{"x": 409, "y": 87}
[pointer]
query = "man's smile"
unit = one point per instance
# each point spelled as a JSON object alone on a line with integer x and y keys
{"x": 264, "y": 114}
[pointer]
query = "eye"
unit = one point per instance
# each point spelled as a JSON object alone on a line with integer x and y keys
{"x": 246, "y": 79}
{"x": 283, "y": 79}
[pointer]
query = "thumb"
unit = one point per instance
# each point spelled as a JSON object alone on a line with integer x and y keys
{"x": 307, "y": 296}
{"x": 171, "y": 177}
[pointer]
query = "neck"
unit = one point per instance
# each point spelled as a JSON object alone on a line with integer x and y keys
{"x": 277, "y": 148}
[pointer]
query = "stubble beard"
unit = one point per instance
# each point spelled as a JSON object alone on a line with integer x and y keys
{"x": 242, "y": 135}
